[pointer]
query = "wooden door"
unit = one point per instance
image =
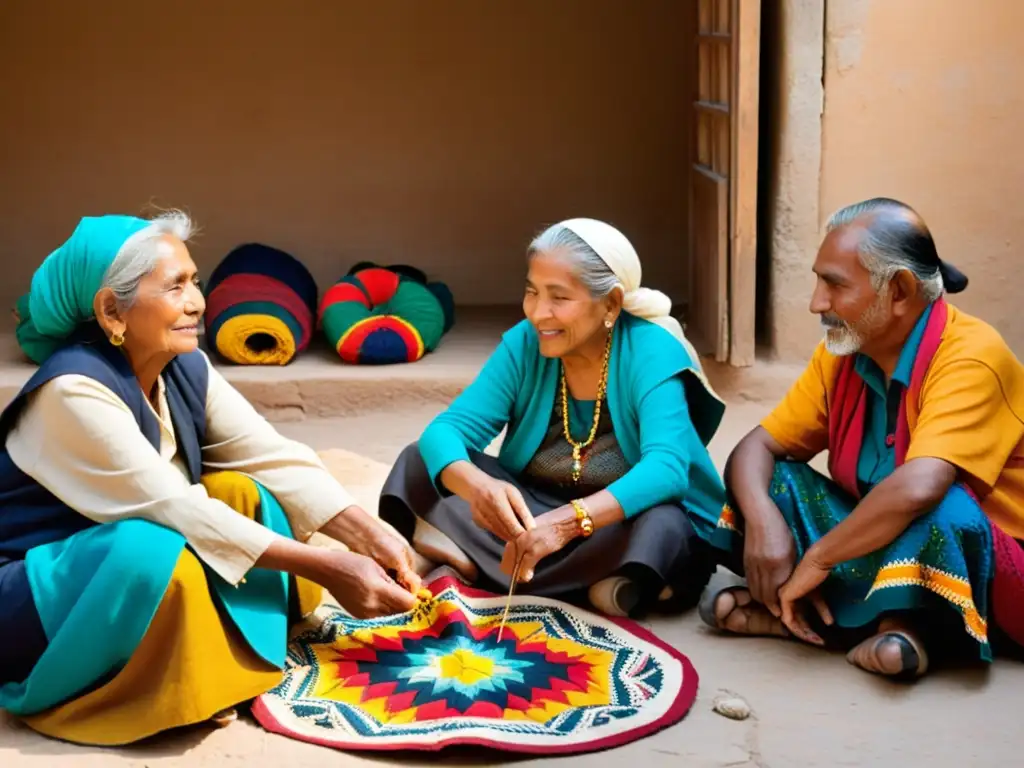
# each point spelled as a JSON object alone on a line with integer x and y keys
{"x": 723, "y": 180}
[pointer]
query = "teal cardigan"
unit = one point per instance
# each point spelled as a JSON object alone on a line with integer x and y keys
{"x": 668, "y": 457}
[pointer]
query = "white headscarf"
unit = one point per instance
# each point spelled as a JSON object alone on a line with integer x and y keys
{"x": 620, "y": 256}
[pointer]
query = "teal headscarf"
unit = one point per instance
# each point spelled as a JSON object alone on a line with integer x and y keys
{"x": 64, "y": 286}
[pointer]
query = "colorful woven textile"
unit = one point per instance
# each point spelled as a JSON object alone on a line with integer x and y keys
{"x": 376, "y": 315}
{"x": 561, "y": 680}
{"x": 260, "y": 306}
{"x": 942, "y": 563}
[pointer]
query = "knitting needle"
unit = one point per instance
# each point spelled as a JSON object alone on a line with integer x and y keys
{"x": 508, "y": 600}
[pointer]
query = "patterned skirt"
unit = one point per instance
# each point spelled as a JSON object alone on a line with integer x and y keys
{"x": 941, "y": 568}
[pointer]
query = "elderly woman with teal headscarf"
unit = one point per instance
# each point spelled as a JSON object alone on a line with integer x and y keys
{"x": 152, "y": 522}
{"x": 603, "y": 489}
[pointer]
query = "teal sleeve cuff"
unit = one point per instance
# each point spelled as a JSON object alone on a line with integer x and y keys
{"x": 441, "y": 446}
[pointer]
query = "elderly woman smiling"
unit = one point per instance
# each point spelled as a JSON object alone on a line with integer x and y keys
{"x": 149, "y": 515}
{"x": 603, "y": 485}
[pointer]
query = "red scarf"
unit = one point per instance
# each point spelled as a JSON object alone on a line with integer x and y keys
{"x": 846, "y": 412}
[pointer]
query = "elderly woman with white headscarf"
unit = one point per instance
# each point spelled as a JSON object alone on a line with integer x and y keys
{"x": 603, "y": 487}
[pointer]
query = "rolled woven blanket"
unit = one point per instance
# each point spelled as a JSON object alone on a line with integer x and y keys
{"x": 378, "y": 316}
{"x": 260, "y": 306}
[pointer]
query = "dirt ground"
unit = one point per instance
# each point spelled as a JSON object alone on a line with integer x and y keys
{"x": 810, "y": 707}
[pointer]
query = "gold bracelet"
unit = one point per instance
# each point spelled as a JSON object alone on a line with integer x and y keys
{"x": 583, "y": 521}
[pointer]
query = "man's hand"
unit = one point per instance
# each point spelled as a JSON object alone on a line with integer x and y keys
{"x": 769, "y": 556}
{"x": 801, "y": 588}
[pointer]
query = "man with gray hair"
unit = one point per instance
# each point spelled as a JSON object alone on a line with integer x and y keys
{"x": 913, "y": 545}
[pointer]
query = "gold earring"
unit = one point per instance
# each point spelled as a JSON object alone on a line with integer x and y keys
{"x": 608, "y": 324}
{"x": 117, "y": 339}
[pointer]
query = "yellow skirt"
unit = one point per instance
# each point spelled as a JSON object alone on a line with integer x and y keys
{"x": 191, "y": 664}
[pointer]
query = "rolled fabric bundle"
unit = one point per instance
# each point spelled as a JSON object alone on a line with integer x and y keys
{"x": 380, "y": 316}
{"x": 444, "y": 296}
{"x": 405, "y": 271}
{"x": 260, "y": 306}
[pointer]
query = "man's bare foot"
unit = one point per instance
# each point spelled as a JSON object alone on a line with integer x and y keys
{"x": 895, "y": 652}
{"x": 732, "y": 609}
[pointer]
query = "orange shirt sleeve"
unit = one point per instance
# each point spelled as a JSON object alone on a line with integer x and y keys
{"x": 966, "y": 420}
{"x": 800, "y": 422}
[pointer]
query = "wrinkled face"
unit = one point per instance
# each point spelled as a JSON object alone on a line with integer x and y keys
{"x": 560, "y": 307}
{"x": 164, "y": 319}
{"x": 852, "y": 312}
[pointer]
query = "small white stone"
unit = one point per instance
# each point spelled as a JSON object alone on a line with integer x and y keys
{"x": 732, "y": 707}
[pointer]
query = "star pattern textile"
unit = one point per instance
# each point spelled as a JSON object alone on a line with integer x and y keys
{"x": 561, "y": 679}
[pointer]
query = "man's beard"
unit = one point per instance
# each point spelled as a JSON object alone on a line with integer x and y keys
{"x": 843, "y": 339}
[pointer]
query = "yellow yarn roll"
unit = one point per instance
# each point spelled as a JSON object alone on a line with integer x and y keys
{"x": 235, "y": 340}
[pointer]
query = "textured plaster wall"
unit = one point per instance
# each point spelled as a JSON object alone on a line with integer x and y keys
{"x": 791, "y": 169}
{"x": 442, "y": 134}
{"x": 923, "y": 101}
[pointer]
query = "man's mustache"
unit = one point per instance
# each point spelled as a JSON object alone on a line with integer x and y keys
{"x": 831, "y": 321}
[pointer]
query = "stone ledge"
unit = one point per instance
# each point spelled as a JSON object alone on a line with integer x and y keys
{"x": 317, "y": 385}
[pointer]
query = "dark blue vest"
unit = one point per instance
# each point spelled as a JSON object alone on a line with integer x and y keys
{"x": 29, "y": 514}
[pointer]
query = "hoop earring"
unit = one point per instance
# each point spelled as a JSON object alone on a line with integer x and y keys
{"x": 117, "y": 339}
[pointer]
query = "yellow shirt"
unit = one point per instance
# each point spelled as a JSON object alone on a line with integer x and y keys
{"x": 970, "y": 414}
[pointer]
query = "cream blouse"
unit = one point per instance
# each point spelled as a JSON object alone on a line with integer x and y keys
{"x": 80, "y": 441}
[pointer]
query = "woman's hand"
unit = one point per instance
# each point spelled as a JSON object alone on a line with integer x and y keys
{"x": 361, "y": 586}
{"x": 365, "y": 535}
{"x": 358, "y": 583}
{"x": 553, "y": 532}
{"x": 393, "y": 556}
{"x": 801, "y": 587}
{"x": 499, "y": 507}
{"x": 496, "y": 506}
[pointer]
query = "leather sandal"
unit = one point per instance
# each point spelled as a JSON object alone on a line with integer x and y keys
{"x": 913, "y": 657}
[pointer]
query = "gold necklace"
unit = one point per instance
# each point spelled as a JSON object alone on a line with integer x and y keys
{"x": 602, "y": 388}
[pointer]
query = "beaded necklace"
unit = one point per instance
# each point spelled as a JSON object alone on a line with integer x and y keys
{"x": 602, "y": 388}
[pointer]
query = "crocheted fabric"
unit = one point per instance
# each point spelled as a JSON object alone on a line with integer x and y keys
{"x": 561, "y": 680}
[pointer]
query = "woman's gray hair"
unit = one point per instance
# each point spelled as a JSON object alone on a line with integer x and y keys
{"x": 890, "y": 243}
{"x": 139, "y": 255}
{"x": 591, "y": 269}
